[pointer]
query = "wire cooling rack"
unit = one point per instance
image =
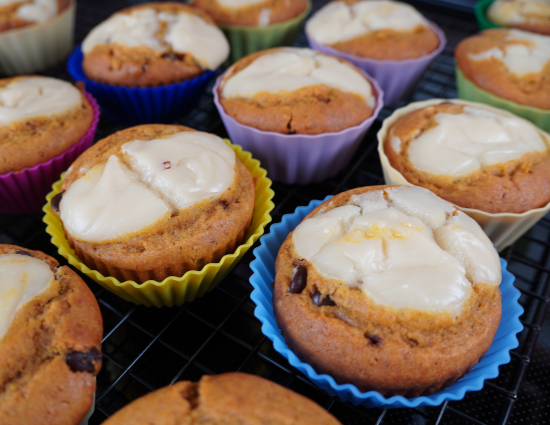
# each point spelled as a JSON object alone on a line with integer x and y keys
{"x": 148, "y": 348}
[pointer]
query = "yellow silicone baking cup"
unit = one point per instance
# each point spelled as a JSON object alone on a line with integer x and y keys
{"x": 173, "y": 289}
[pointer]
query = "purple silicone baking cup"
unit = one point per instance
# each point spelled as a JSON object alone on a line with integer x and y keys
{"x": 397, "y": 78}
{"x": 24, "y": 192}
{"x": 300, "y": 158}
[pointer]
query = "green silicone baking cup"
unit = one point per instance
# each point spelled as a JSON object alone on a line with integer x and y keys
{"x": 480, "y": 11}
{"x": 467, "y": 90}
{"x": 245, "y": 40}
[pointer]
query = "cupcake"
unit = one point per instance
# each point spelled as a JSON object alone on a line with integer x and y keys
{"x": 34, "y": 34}
{"x": 279, "y": 102}
{"x": 508, "y": 69}
{"x": 150, "y": 63}
{"x": 528, "y": 15}
{"x": 227, "y": 398}
{"x": 253, "y": 25}
{"x": 45, "y": 123}
{"x": 50, "y": 340}
{"x": 389, "y": 288}
{"x": 490, "y": 163}
{"x": 390, "y": 40}
{"x": 155, "y": 201}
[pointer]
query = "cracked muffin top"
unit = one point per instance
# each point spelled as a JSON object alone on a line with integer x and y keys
{"x": 20, "y": 13}
{"x": 377, "y": 29}
{"x": 296, "y": 91}
{"x": 153, "y": 44}
{"x": 50, "y": 340}
{"x": 528, "y": 15}
{"x": 473, "y": 157}
{"x": 226, "y": 399}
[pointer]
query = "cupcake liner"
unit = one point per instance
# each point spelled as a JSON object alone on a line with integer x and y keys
{"x": 300, "y": 158}
{"x": 245, "y": 40}
{"x": 23, "y": 192}
{"x": 398, "y": 79}
{"x": 504, "y": 228}
{"x": 173, "y": 289}
{"x": 86, "y": 418}
{"x": 468, "y": 90}
{"x": 37, "y": 46}
{"x": 142, "y": 105}
{"x": 263, "y": 267}
{"x": 480, "y": 11}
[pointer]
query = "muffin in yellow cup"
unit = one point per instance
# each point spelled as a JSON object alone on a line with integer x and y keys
{"x": 105, "y": 252}
{"x": 502, "y": 227}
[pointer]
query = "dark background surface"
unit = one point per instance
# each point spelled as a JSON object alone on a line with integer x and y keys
{"x": 148, "y": 348}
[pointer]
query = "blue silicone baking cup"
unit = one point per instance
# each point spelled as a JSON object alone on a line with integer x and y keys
{"x": 142, "y": 105}
{"x": 263, "y": 267}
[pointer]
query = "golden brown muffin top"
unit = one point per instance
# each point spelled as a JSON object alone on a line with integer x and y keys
{"x": 528, "y": 15}
{"x": 21, "y": 13}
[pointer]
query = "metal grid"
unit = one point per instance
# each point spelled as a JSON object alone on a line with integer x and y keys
{"x": 147, "y": 348}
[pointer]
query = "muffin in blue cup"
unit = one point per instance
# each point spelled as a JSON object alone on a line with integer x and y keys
{"x": 150, "y": 63}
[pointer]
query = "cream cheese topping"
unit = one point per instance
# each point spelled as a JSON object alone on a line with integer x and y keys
{"x": 35, "y": 11}
{"x": 338, "y": 22}
{"x": 291, "y": 69}
{"x": 403, "y": 247}
{"x": 36, "y": 96}
{"x": 529, "y": 56}
{"x": 462, "y": 143}
{"x": 519, "y": 11}
{"x": 185, "y": 33}
{"x": 149, "y": 181}
{"x": 22, "y": 278}
{"x": 237, "y": 4}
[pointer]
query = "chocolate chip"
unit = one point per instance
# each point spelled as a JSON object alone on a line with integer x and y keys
{"x": 56, "y": 200}
{"x": 166, "y": 165}
{"x": 373, "y": 339}
{"x": 224, "y": 204}
{"x": 23, "y": 253}
{"x": 299, "y": 282}
{"x": 84, "y": 362}
{"x": 171, "y": 56}
{"x": 316, "y": 297}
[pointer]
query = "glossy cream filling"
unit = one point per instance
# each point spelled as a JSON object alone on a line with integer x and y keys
{"x": 149, "y": 181}
{"x": 529, "y": 56}
{"x": 463, "y": 143}
{"x": 36, "y": 96}
{"x": 34, "y": 11}
{"x": 186, "y": 33}
{"x": 292, "y": 69}
{"x": 403, "y": 247}
{"x": 22, "y": 278}
{"x": 519, "y": 11}
{"x": 338, "y": 22}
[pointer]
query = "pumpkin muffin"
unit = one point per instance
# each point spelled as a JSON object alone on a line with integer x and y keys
{"x": 50, "y": 340}
{"x": 388, "y": 288}
{"x": 40, "y": 118}
{"x": 20, "y": 13}
{"x": 376, "y": 29}
{"x": 252, "y": 12}
{"x": 154, "y": 201}
{"x": 528, "y": 15}
{"x": 230, "y": 398}
{"x": 511, "y": 64}
{"x": 296, "y": 91}
{"x": 153, "y": 44}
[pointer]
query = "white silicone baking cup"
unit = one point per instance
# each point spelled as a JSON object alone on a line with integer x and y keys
{"x": 504, "y": 228}
{"x": 37, "y": 46}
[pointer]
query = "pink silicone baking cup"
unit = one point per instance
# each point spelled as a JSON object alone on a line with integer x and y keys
{"x": 397, "y": 78}
{"x": 299, "y": 158}
{"x": 24, "y": 192}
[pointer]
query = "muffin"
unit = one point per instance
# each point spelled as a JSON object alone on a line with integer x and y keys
{"x": 528, "y": 15}
{"x": 155, "y": 201}
{"x": 153, "y": 44}
{"x": 473, "y": 157}
{"x": 388, "y": 288}
{"x": 223, "y": 399}
{"x": 50, "y": 340}
{"x": 20, "y": 13}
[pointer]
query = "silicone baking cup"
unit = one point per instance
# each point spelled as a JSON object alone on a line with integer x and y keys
{"x": 504, "y": 228}
{"x": 300, "y": 158}
{"x": 244, "y": 40}
{"x": 23, "y": 192}
{"x": 142, "y": 105}
{"x": 468, "y": 90}
{"x": 263, "y": 267}
{"x": 480, "y": 11}
{"x": 37, "y": 46}
{"x": 397, "y": 78}
{"x": 173, "y": 289}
